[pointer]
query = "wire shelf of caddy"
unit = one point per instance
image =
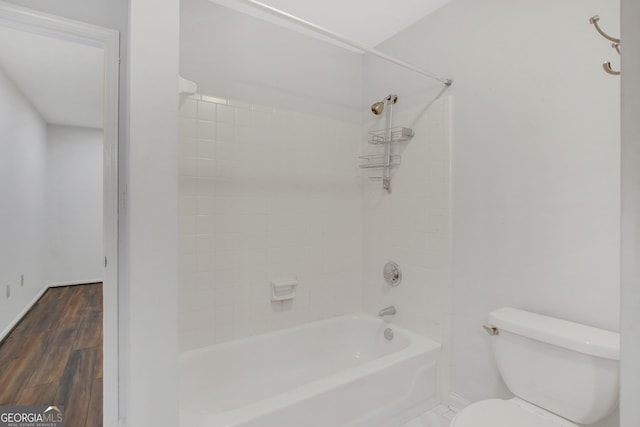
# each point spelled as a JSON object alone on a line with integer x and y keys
{"x": 376, "y": 161}
{"x": 395, "y": 134}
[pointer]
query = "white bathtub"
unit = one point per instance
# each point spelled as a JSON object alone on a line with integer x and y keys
{"x": 335, "y": 372}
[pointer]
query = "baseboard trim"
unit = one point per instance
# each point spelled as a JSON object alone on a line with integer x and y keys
{"x": 22, "y": 313}
{"x": 35, "y": 299}
{"x": 74, "y": 283}
{"x": 457, "y": 402}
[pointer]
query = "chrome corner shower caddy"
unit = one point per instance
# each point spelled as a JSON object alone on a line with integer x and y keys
{"x": 385, "y": 137}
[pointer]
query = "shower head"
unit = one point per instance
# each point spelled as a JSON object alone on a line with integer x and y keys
{"x": 378, "y": 107}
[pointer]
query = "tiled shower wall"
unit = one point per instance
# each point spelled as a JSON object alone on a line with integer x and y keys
{"x": 265, "y": 194}
{"x": 411, "y": 226}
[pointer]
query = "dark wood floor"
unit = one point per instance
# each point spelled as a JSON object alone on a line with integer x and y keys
{"x": 54, "y": 355}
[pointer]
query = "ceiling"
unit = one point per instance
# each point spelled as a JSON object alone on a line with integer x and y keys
{"x": 368, "y": 22}
{"x": 63, "y": 80}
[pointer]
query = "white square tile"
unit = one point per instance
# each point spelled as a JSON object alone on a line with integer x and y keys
{"x": 206, "y": 129}
{"x": 206, "y": 205}
{"x": 207, "y": 111}
{"x": 204, "y": 224}
{"x": 205, "y": 243}
{"x": 225, "y": 132}
{"x": 206, "y": 167}
{"x": 226, "y": 114}
{"x": 249, "y": 136}
{"x": 206, "y": 149}
{"x": 243, "y": 117}
{"x": 262, "y": 119}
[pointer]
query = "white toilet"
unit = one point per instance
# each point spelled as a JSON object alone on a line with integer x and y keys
{"x": 562, "y": 373}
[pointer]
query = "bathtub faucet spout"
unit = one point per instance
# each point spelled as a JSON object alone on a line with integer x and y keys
{"x": 387, "y": 311}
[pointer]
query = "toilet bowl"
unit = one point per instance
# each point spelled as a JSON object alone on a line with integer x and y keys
{"x": 507, "y": 413}
{"x": 562, "y": 373}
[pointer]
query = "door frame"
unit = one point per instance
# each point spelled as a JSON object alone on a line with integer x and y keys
{"x": 108, "y": 40}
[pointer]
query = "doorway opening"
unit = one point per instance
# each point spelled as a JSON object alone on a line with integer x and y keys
{"x": 59, "y": 141}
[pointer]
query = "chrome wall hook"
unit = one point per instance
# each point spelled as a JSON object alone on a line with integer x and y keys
{"x": 607, "y": 69}
{"x": 594, "y": 21}
{"x": 615, "y": 45}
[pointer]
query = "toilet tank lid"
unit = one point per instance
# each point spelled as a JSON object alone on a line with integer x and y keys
{"x": 562, "y": 333}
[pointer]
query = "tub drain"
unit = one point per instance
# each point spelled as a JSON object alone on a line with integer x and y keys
{"x": 388, "y": 334}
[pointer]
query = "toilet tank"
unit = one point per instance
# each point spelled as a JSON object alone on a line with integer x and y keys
{"x": 564, "y": 367}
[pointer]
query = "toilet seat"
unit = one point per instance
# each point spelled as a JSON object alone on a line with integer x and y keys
{"x": 507, "y": 413}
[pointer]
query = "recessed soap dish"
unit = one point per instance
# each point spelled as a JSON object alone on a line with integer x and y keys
{"x": 283, "y": 289}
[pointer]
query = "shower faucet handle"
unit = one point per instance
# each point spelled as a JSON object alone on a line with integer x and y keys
{"x": 392, "y": 274}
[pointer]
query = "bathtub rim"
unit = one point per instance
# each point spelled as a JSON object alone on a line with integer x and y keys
{"x": 414, "y": 338}
{"x": 418, "y": 345}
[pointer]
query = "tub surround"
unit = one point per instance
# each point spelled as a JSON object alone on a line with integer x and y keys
{"x": 265, "y": 194}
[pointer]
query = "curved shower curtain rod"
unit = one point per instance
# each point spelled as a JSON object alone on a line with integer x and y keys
{"x": 342, "y": 39}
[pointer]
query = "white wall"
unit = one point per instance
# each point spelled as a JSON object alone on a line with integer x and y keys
{"x": 51, "y": 215}
{"x": 265, "y": 194}
{"x": 630, "y": 368}
{"x": 232, "y": 55}
{"x": 535, "y": 165}
{"x": 411, "y": 226}
{"x": 149, "y": 305}
{"x": 74, "y": 205}
{"x": 23, "y": 164}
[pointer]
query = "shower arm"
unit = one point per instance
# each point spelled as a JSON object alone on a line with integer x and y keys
{"x": 321, "y": 30}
